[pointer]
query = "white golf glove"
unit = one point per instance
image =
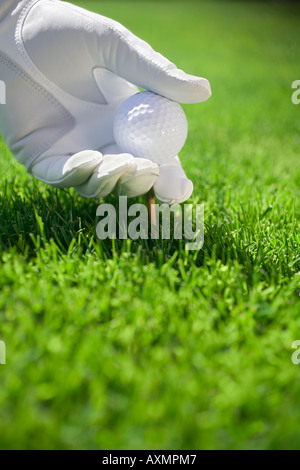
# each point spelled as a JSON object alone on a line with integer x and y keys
{"x": 66, "y": 72}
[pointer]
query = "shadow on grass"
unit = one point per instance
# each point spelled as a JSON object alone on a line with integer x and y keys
{"x": 40, "y": 212}
{"x": 35, "y": 216}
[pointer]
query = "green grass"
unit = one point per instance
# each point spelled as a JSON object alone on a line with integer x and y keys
{"x": 142, "y": 345}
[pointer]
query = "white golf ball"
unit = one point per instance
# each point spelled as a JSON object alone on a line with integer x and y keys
{"x": 150, "y": 126}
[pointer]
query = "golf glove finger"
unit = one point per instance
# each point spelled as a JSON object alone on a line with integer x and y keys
{"x": 66, "y": 72}
{"x": 95, "y": 175}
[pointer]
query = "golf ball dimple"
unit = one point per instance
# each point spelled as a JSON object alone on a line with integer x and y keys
{"x": 150, "y": 126}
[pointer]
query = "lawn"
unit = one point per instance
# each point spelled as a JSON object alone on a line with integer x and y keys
{"x": 142, "y": 344}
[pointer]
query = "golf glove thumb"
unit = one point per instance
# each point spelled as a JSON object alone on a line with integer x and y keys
{"x": 66, "y": 72}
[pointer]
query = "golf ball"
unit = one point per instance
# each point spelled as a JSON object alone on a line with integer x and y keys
{"x": 150, "y": 126}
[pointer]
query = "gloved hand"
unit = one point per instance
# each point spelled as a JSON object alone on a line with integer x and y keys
{"x": 66, "y": 72}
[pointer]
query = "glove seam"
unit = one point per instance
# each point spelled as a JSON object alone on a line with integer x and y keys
{"x": 37, "y": 74}
{"x": 64, "y": 113}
